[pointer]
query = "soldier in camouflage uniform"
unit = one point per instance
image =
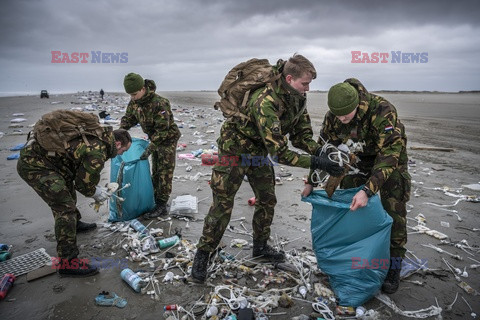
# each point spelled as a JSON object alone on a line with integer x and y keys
{"x": 56, "y": 178}
{"x": 372, "y": 122}
{"x": 274, "y": 112}
{"x": 155, "y": 116}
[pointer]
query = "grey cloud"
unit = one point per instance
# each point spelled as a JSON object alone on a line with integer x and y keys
{"x": 190, "y": 44}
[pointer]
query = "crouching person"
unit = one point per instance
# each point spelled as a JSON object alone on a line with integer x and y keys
{"x": 67, "y": 153}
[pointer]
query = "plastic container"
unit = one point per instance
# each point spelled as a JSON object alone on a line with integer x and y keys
{"x": 209, "y": 159}
{"x": 170, "y": 307}
{"x": 132, "y": 279}
{"x": 5, "y": 284}
{"x": 185, "y": 205}
{"x": 212, "y": 311}
{"x": 139, "y": 227}
{"x": 303, "y": 291}
{"x": 5, "y": 252}
{"x": 360, "y": 311}
{"x": 150, "y": 245}
{"x": 168, "y": 242}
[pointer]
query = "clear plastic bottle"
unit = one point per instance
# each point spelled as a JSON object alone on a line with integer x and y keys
{"x": 303, "y": 291}
{"x": 150, "y": 245}
{"x": 139, "y": 227}
{"x": 212, "y": 311}
{"x": 132, "y": 279}
{"x": 168, "y": 242}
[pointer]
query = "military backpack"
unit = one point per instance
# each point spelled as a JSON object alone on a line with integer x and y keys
{"x": 56, "y": 129}
{"x": 243, "y": 79}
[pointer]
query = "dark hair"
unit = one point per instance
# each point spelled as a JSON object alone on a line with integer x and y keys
{"x": 123, "y": 136}
{"x": 297, "y": 66}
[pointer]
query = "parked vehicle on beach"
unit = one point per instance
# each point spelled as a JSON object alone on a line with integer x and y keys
{"x": 44, "y": 94}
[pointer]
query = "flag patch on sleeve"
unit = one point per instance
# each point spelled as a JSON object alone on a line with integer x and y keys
{"x": 388, "y": 128}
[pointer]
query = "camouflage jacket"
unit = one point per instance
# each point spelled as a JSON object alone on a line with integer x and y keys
{"x": 274, "y": 112}
{"x": 82, "y": 163}
{"x": 377, "y": 131}
{"x": 155, "y": 116}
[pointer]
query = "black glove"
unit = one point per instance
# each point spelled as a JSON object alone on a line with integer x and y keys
{"x": 323, "y": 163}
{"x": 145, "y": 154}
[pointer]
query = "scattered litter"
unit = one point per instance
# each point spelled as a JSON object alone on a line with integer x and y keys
{"x": 454, "y": 256}
{"x": 186, "y": 156}
{"x": 133, "y": 279}
{"x": 107, "y": 300}
{"x": 184, "y": 206}
{"x": 17, "y": 132}
{"x": 26, "y": 262}
{"x": 449, "y": 307}
{"x": 432, "y": 149}
{"x": 18, "y": 120}
{"x": 17, "y": 147}
{"x": 13, "y": 156}
{"x": 6, "y": 282}
{"x": 473, "y": 186}
{"x": 465, "y": 286}
{"x": 445, "y": 224}
{"x": 238, "y": 243}
{"x": 434, "y": 233}
{"x": 419, "y": 314}
{"x": 473, "y": 314}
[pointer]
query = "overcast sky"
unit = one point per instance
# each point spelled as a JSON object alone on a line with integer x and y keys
{"x": 190, "y": 45}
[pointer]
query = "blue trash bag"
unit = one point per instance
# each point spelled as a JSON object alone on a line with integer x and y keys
{"x": 14, "y": 156}
{"x": 128, "y": 168}
{"x": 17, "y": 147}
{"x": 352, "y": 247}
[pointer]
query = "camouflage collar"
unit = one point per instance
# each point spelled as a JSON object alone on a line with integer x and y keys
{"x": 292, "y": 96}
{"x": 146, "y": 98}
{"x": 362, "y": 109}
{"x": 109, "y": 140}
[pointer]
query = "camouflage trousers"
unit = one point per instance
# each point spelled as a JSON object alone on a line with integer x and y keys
{"x": 163, "y": 165}
{"x": 225, "y": 182}
{"x": 394, "y": 195}
{"x": 59, "y": 193}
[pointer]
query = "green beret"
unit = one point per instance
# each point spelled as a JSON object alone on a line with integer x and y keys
{"x": 133, "y": 82}
{"x": 342, "y": 99}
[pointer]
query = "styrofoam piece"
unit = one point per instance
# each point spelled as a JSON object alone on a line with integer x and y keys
{"x": 184, "y": 206}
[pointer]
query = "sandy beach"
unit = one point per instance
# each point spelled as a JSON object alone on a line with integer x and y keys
{"x": 432, "y": 120}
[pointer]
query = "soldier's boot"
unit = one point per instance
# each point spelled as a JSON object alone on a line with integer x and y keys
{"x": 200, "y": 264}
{"x": 392, "y": 281}
{"x": 76, "y": 268}
{"x": 159, "y": 210}
{"x": 262, "y": 249}
{"x": 84, "y": 227}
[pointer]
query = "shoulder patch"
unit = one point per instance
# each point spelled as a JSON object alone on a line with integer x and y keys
{"x": 276, "y": 130}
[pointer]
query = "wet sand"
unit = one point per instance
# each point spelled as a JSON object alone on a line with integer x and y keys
{"x": 431, "y": 120}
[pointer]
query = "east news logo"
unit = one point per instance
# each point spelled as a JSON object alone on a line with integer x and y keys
{"x": 95, "y": 57}
{"x": 396, "y": 57}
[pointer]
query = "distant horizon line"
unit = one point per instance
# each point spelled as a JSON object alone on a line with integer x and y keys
{"x": 31, "y": 93}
